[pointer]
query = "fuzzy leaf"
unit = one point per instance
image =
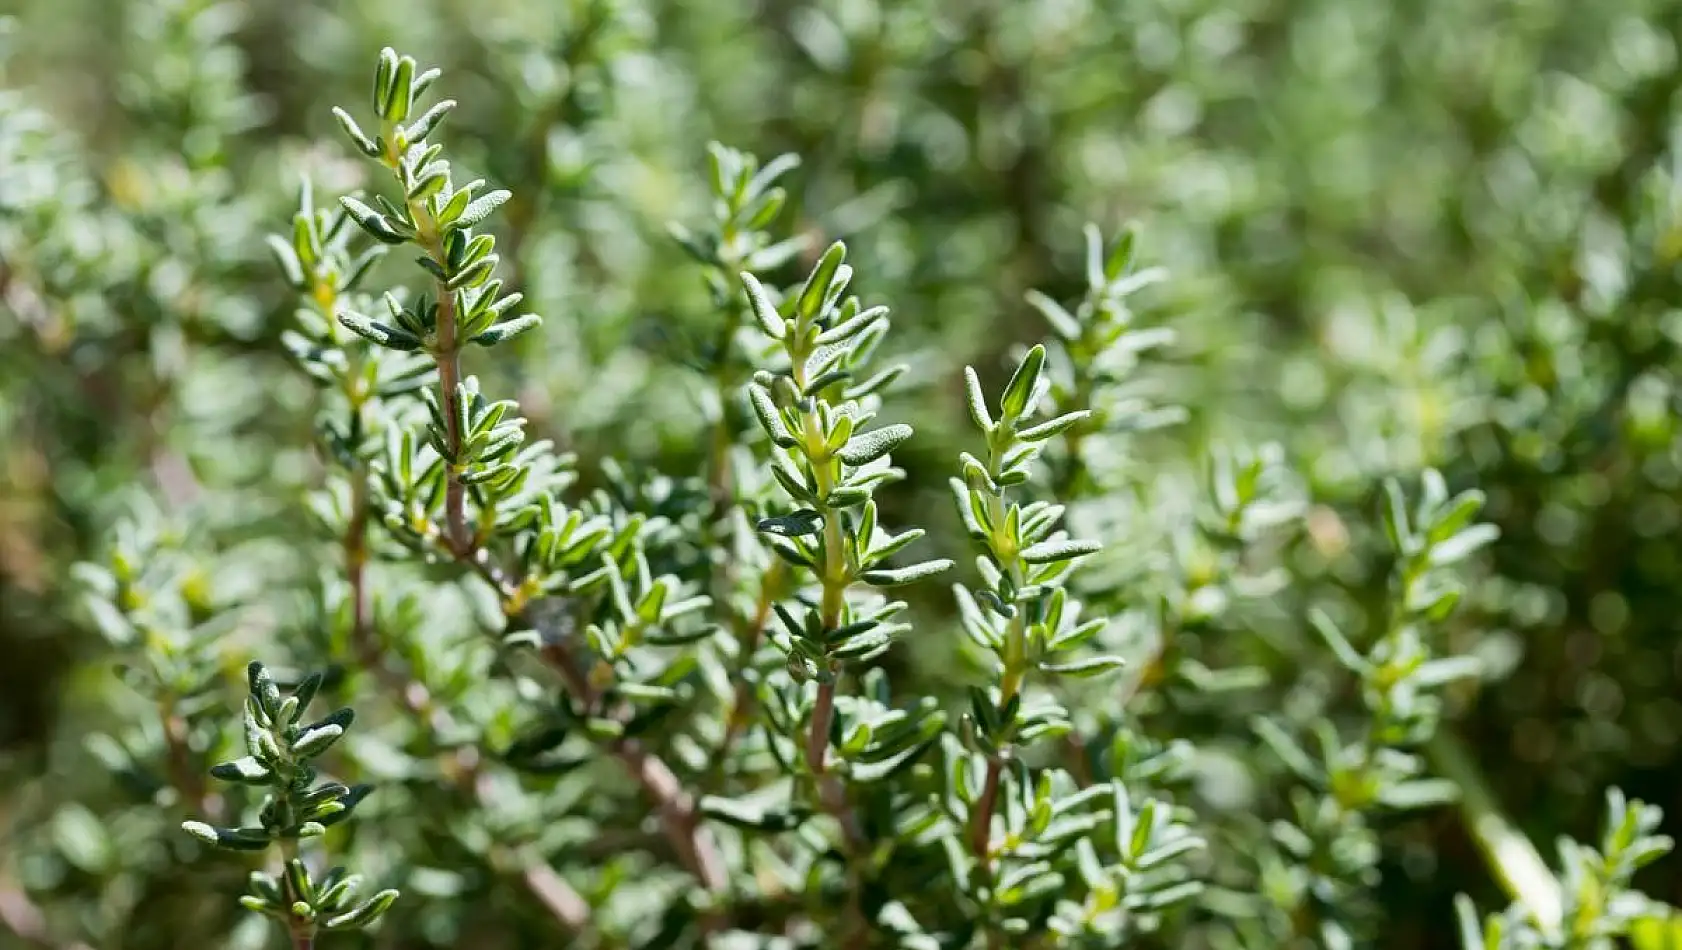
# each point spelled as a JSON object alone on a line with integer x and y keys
{"x": 1014, "y": 401}
{"x": 794, "y": 525}
{"x": 1046, "y": 430}
{"x": 1050, "y": 552}
{"x": 752, "y": 816}
{"x": 364, "y": 915}
{"x": 867, "y": 447}
{"x": 381, "y": 334}
{"x": 231, "y": 839}
{"x": 1087, "y": 668}
{"x": 480, "y": 208}
{"x": 246, "y": 771}
{"x": 362, "y": 141}
{"x": 317, "y": 740}
{"x": 507, "y": 330}
{"x": 763, "y": 310}
{"x": 894, "y": 577}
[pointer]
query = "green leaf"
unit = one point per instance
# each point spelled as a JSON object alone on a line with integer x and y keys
{"x": 377, "y": 225}
{"x": 1396, "y": 517}
{"x": 1014, "y": 402}
{"x": 847, "y": 329}
{"x": 263, "y": 690}
{"x": 894, "y": 577}
{"x": 787, "y": 550}
{"x": 1095, "y": 276}
{"x": 977, "y": 401}
{"x": 399, "y": 95}
{"x": 1420, "y": 793}
{"x": 507, "y": 330}
{"x": 357, "y": 136}
{"x": 383, "y": 71}
{"x": 820, "y": 282}
{"x": 753, "y": 816}
{"x": 381, "y": 334}
{"x": 1168, "y": 851}
{"x": 1046, "y": 430}
{"x": 287, "y": 258}
{"x": 1472, "y": 933}
{"x": 364, "y": 915}
{"x": 763, "y": 310}
{"x": 663, "y": 638}
{"x": 479, "y": 209}
{"x": 793, "y": 525}
{"x": 1086, "y": 668}
{"x": 867, "y": 447}
{"x": 1062, "y": 322}
{"x": 770, "y": 419}
{"x": 418, "y": 130}
{"x": 1463, "y": 545}
{"x": 317, "y": 740}
{"x": 231, "y": 839}
{"x": 246, "y": 771}
{"x": 83, "y": 839}
{"x": 305, "y": 693}
{"x": 1658, "y": 931}
{"x": 874, "y": 768}
{"x": 1120, "y": 259}
{"x": 1334, "y": 638}
{"x": 1053, "y": 551}
{"x": 1286, "y": 748}
{"x": 1437, "y": 672}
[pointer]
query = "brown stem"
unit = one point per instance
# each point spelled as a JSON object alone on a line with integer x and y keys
{"x": 981, "y": 823}
{"x": 832, "y": 794}
{"x": 823, "y": 715}
{"x": 679, "y": 816}
{"x": 555, "y": 894}
{"x": 550, "y": 889}
{"x": 678, "y": 813}
{"x": 741, "y": 705}
{"x": 186, "y": 779}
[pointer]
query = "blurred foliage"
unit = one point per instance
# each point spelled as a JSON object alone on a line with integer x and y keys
{"x": 1399, "y": 236}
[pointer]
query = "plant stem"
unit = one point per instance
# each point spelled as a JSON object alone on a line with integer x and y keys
{"x": 1511, "y": 857}
{"x": 678, "y": 813}
{"x": 183, "y": 775}
{"x": 301, "y": 930}
{"x": 981, "y": 826}
{"x": 551, "y": 890}
{"x": 558, "y": 897}
{"x": 449, "y": 379}
{"x": 447, "y": 354}
{"x": 823, "y": 717}
{"x": 832, "y": 793}
{"x": 741, "y": 705}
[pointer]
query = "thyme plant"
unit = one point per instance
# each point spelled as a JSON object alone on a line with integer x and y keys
{"x": 746, "y": 598}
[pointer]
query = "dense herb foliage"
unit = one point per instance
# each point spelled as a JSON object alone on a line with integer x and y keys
{"x": 631, "y": 474}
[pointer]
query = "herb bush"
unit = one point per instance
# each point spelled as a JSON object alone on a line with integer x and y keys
{"x": 458, "y": 506}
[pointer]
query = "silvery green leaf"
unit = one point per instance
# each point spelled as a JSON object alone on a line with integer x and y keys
{"x": 867, "y": 447}
{"x": 894, "y": 577}
{"x": 1049, "y": 552}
